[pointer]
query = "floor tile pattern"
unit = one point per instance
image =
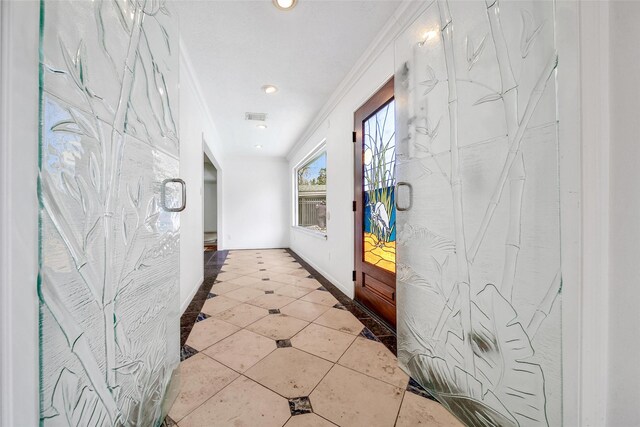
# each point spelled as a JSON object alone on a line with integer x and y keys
{"x": 297, "y": 353}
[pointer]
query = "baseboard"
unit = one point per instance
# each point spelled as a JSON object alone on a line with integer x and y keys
{"x": 185, "y": 304}
{"x": 329, "y": 277}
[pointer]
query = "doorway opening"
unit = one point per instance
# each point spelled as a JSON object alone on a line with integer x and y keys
{"x": 210, "y": 205}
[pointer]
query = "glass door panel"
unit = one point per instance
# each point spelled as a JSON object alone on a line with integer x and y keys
{"x": 478, "y": 271}
{"x": 109, "y": 221}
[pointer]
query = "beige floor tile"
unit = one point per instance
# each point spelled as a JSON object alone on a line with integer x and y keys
{"x": 266, "y": 285}
{"x": 299, "y": 272}
{"x": 278, "y": 326}
{"x": 244, "y": 294}
{"x": 242, "y": 403}
{"x": 218, "y": 304}
{"x": 245, "y": 280}
{"x": 262, "y": 274}
{"x": 419, "y": 411}
{"x": 307, "y": 283}
{"x": 322, "y": 342}
{"x": 282, "y": 268}
{"x": 374, "y": 359}
{"x": 200, "y": 378}
{"x": 304, "y": 310}
{"x": 308, "y": 420}
{"x": 209, "y": 332}
{"x": 241, "y": 350}
{"x": 341, "y": 320}
{"x": 227, "y": 275}
{"x": 242, "y": 315}
{"x": 289, "y": 372}
{"x": 271, "y": 301}
{"x": 292, "y": 291}
{"x": 224, "y": 287}
{"x": 349, "y": 398}
{"x": 287, "y": 279}
{"x": 320, "y": 297}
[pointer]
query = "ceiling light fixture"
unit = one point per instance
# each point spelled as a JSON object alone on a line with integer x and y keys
{"x": 426, "y": 36}
{"x": 261, "y": 126}
{"x": 269, "y": 89}
{"x": 258, "y": 147}
{"x": 285, "y": 4}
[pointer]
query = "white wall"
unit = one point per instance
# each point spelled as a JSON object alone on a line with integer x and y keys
{"x": 210, "y": 206}
{"x": 197, "y": 133}
{"x": 624, "y": 280}
{"x": 255, "y": 205}
{"x": 334, "y": 257}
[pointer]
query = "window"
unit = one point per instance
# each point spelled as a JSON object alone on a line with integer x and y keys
{"x": 311, "y": 191}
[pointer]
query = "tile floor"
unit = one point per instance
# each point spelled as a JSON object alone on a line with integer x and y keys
{"x": 274, "y": 348}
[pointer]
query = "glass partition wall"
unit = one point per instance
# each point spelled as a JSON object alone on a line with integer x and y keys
{"x": 478, "y": 268}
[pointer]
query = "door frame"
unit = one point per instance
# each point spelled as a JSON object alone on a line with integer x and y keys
{"x": 19, "y": 107}
{"x": 381, "y": 97}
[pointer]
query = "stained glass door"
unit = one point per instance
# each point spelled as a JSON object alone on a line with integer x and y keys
{"x": 375, "y": 211}
{"x": 479, "y": 271}
{"x": 109, "y": 221}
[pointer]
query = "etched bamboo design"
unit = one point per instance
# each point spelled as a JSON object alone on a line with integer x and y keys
{"x": 476, "y": 355}
{"x": 126, "y": 382}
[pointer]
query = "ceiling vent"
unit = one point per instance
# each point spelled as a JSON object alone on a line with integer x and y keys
{"x": 259, "y": 117}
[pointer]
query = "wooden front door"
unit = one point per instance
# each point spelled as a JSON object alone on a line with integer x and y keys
{"x": 375, "y": 212}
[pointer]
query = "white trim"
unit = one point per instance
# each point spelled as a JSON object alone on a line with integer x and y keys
{"x": 406, "y": 13}
{"x": 595, "y": 138}
{"x": 313, "y": 233}
{"x": 19, "y": 368}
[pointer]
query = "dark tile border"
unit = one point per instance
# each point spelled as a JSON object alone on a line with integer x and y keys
{"x": 213, "y": 262}
{"x": 376, "y": 327}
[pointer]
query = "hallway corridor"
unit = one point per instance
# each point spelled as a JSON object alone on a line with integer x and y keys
{"x": 273, "y": 347}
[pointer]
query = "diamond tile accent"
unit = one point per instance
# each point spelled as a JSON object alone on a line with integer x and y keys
{"x": 274, "y": 311}
{"x": 201, "y": 317}
{"x": 283, "y": 343}
{"x": 186, "y": 352}
{"x": 300, "y": 405}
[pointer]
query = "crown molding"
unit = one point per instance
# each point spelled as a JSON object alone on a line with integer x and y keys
{"x": 406, "y": 13}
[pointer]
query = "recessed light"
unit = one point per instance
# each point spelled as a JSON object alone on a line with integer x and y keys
{"x": 258, "y": 147}
{"x": 269, "y": 89}
{"x": 426, "y": 36}
{"x": 261, "y": 126}
{"x": 285, "y": 4}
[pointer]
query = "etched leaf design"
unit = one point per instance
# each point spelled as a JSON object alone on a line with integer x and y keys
{"x": 70, "y": 186}
{"x": 473, "y": 54}
{"x": 125, "y": 230}
{"x": 431, "y": 80}
{"x": 501, "y": 348}
{"x": 74, "y": 404}
{"x": 94, "y": 172}
{"x": 488, "y": 98}
{"x": 129, "y": 368}
{"x": 529, "y": 32}
{"x": 460, "y": 392}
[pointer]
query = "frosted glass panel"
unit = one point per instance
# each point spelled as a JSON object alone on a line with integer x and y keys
{"x": 479, "y": 275}
{"x": 379, "y": 161}
{"x": 109, "y": 254}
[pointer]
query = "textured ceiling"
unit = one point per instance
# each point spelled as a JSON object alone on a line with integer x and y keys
{"x": 238, "y": 46}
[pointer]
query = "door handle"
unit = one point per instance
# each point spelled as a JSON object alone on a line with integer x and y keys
{"x": 410, "y": 188}
{"x": 163, "y": 195}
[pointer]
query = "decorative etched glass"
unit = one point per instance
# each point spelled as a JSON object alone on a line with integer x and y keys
{"x": 479, "y": 277}
{"x": 379, "y": 162}
{"x": 109, "y": 255}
